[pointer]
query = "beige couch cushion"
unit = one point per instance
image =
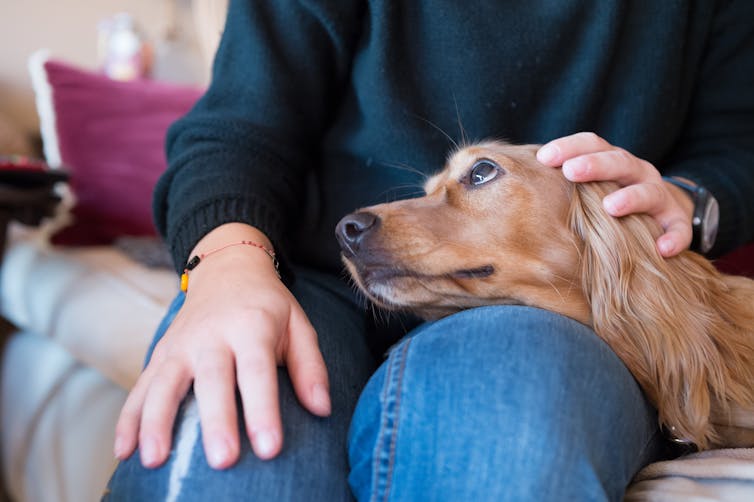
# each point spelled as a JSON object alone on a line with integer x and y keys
{"x": 86, "y": 318}
{"x": 58, "y": 421}
{"x": 96, "y": 303}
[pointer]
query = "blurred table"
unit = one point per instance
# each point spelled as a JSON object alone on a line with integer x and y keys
{"x": 27, "y": 195}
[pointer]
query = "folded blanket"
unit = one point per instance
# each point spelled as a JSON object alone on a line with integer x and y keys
{"x": 716, "y": 475}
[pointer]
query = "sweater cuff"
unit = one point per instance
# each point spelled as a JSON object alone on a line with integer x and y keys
{"x": 184, "y": 236}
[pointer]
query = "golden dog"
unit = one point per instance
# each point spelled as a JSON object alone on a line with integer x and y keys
{"x": 496, "y": 227}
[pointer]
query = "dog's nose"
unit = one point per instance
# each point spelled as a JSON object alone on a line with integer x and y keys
{"x": 351, "y": 230}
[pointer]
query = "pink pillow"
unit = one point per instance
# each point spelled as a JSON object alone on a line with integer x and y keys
{"x": 109, "y": 136}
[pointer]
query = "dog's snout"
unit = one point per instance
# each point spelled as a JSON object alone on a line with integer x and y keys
{"x": 352, "y": 229}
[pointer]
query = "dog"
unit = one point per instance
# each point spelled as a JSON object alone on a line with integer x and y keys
{"x": 496, "y": 227}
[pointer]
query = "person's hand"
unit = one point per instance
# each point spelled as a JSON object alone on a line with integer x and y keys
{"x": 238, "y": 323}
{"x": 587, "y": 157}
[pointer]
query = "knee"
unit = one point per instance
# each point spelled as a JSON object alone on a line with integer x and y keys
{"x": 498, "y": 365}
{"x": 511, "y": 392}
{"x": 508, "y": 361}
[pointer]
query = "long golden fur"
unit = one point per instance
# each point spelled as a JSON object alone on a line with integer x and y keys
{"x": 528, "y": 236}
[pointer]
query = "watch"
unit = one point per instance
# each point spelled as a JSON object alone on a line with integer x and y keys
{"x": 706, "y": 216}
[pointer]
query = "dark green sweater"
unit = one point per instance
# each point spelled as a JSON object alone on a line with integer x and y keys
{"x": 318, "y": 107}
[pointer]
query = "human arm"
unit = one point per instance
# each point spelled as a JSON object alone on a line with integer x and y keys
{"x": 237, "y": 165}
{"x": 245, "y": 150}
{"x": 223, "y": 335}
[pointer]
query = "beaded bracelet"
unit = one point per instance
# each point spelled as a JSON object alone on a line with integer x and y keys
{"x": 194, "y": 261}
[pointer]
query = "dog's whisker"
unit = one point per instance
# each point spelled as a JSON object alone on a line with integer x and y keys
{"x": 394, "y": 192}
{"x": 381, "y": 316}
{"x": 406, "y": 167}
{"x": 439, "y": 129}
{"x": 464, "y": 138}
{"x": 554, "y": 287}
{"x": 571, "y": 284}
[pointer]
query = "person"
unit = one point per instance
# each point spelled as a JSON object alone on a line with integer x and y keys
{"x": 273, "y": 388}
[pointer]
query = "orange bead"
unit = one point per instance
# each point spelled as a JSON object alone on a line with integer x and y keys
{"x": 184, "y": 282}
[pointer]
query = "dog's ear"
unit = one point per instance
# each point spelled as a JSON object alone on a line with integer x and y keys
{"x": 667, "y": 319}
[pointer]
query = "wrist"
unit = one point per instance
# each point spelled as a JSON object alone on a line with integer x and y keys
{"x": 229, "y": 233}
{"x": 230, "y": 254}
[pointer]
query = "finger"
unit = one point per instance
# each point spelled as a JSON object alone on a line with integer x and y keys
{"x": 214, "y": 388}
{"x": 648, "y": 198}
{"x": 651, "y": 198}
{"x": 559, "y": 150}
{"x": 256, "y": 371}
{"x": 127, "y": 427}
{"x": 306, "y": 366}
{"x": 167, "y": 388}
{"x": 613, "y": 165}
{"x": 676, "y": 238}
{"x": 673, "y": 241}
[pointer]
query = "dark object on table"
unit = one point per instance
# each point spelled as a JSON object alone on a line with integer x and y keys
{"x": 26, "y": 192}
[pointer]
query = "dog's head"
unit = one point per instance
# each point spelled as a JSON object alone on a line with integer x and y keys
{"x": 492, "y": 229}
{"x": 497, "y": 227}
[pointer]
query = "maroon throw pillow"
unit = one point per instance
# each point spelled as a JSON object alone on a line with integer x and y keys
{"x": 109, "y": 135}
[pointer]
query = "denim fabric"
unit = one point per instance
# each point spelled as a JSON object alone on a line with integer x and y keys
{"x": 313, "y": 464}
{"x": 500, "y": 403}
{"x": 497, "y": 403}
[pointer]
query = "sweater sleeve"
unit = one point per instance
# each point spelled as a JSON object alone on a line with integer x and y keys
{"x": 716, "y": 149}
{"x": 242, "y": 153}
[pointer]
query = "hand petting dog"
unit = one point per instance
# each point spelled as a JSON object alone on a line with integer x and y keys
{"x": 587, "y": 157}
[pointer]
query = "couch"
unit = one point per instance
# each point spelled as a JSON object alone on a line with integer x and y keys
{"x": 85, "y": 300}
{"x": 85, "y": 319}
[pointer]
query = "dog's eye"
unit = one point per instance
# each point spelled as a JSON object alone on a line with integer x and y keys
{"x": 483, "y": 171}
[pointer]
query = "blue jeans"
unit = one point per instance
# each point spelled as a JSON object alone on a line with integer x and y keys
{"x": 496, "y": 403}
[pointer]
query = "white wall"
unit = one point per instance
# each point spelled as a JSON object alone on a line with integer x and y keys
{"x": 69, "y": 29}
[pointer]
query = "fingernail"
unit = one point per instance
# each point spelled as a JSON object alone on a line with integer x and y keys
{"x": 575, "y": 169}
{"x": 321, "y": 398}
{"x": 218, "y": 452}
{"x": 666, "y": 247}
{"x": 148, "y": 451}
{"x": 610, "y": 205}
{"x": 264, "y": 444}
{"x": 548, "y": 154}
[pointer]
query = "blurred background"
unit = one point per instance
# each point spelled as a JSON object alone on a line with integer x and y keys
{"x": 76, "y": 319}
{"x": 70, "y": 29}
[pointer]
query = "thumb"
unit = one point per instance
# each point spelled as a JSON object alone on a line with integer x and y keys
{"x": 306, "y": 366}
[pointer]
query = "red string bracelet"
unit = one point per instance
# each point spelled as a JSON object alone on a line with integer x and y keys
{"x": 194, "y": 261}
